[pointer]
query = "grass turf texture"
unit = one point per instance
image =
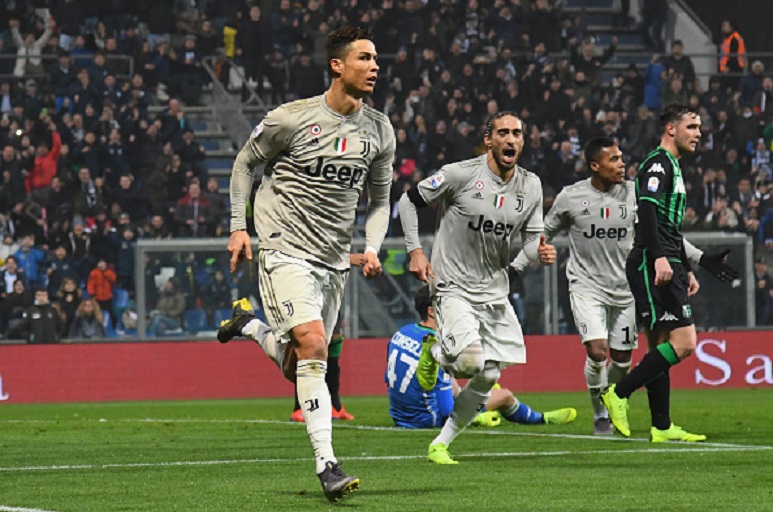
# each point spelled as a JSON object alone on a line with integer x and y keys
{"x": 246, "y": 455}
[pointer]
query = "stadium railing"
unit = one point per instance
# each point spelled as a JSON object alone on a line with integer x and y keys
{"x": 378, "y": 307}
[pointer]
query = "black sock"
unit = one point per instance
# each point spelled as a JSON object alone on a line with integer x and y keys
{"x": 333, "y": 381}
{"x": 651, "y": 367}
{"x": 297, "y": 404}
{"x": 659, "y": 395}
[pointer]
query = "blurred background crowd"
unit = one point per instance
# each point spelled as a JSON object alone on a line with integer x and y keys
{"x": 98, "y": 149}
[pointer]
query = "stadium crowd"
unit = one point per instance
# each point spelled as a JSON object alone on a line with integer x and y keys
{"x": 87, "y": 168}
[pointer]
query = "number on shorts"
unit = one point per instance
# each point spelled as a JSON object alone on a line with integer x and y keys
{"x": 628, "y": 339}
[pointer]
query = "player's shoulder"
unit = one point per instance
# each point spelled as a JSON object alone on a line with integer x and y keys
{"x": 375, "y": 116}
{"x": 299, "y": 106}
{"x": 528, "y": 176}
{"x": 657, "y": 162}
{"x": 463, "y": 169}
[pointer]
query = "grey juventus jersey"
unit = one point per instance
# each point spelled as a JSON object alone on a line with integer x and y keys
{"x": 601, "y": 229}
{"x": 317, "y": 163}
{"x": 477, "y": 217}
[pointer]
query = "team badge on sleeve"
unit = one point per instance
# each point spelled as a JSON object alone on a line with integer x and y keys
{"x": 436, "y": 180}
{"x": 653, "y": 184}
{"x": 257, "y": 130}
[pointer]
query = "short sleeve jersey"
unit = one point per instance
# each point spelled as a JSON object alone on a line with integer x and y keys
{"x": 601, "y": 230}
{"x": 317, "y": 163}
{"x": 660, "y": 181}
{"x": 478, "y": 215}
{"x": 409, "y": 405}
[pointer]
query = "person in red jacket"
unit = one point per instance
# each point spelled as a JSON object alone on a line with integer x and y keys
{"x": 45, "y": 161}
{"x": 100, "y": 286}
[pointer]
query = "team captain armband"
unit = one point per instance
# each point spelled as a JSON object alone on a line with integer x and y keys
{"x": 416, "y": 199}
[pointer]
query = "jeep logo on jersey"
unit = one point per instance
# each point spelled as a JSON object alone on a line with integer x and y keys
{"x": 609, "y": 233}
{"x": 346, "y": 176}
{"x": 489, "y": 226}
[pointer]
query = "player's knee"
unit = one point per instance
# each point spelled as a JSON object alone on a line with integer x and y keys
{"x": 488, "y": 376}
{"x": 620, "y": 356}
{"x": 597, "y": 350}
{"x": 470, "y": 364}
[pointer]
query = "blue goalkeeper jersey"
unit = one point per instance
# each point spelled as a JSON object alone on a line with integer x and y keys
{"x": 409, "y": 405}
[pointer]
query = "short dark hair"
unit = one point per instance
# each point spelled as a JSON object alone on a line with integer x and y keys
{"x": 422, "y": 302}
{"x": 499, "y": 115}
{"x": 673, "y": 113}
{"x": 338, "y": 42}
{"x": 594, "y": 147}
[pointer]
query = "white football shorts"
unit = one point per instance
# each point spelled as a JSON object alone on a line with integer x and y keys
{"x": 598, "y": 321}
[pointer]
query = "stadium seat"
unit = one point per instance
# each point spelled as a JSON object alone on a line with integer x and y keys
{"x": 195, "y": 320}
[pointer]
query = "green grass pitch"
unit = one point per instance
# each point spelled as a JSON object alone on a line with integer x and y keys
{"x": 246, "y": 455}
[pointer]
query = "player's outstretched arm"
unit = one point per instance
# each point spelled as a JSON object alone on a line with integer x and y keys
{"x": 242, "y": 176}
{"x": 409, "y": 218}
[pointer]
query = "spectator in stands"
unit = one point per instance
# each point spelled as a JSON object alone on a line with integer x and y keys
{"x": 173, "y": 122}
{"x": 192, "y": 155}
{"x": 218, "y": 208}
{"x": 653, "y": 84}
{"x": 68, "y": 296}
{"x": 278, "y": 74}
{"x": 88, "y": 322}
{"x": 12, "y": 173}
{"x": 681, "y": 64}
{"x": 129, "y": 198}
{"x": 30, "y": 258}
{"x": 217, "y": 294}
{"x": 62, "y": 80}
{"x": 88, "y": 195}
{"x": 654, "y": 15}
{"x": 9, "y": 275}
{"x": 721, "y": 217}
{"x": 750, "y": 85}
{"x": 763, "y": 292}
{"x": 124, "y": 266}
{"x": 284, "y": 24}
{"x": 40, "y": 323}
{"x": 253, "y": 45}
{"x": 13, "y": 306}
{"x": 169, "y": 309}
{"x": 83, "y": 92}
{"x": 29, "y": 49}
{"x": 7, "y": 250}
{"x": 100, "y": 286}
{"x": 192, "y": 214}
{"x": 306, "y": 77}
{"x": 763, "y": 102}
{"x": 60, "y": 267}
{"x": 45, "y": 161}
{"x": 732, "y": 53}
{"x": 585, "y": 61}
{"x": 157, "y": 228}
{"x": 762, "y": 161}
{"x": 190, "y": 74}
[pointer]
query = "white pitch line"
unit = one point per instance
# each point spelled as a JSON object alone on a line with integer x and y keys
{"x": 484, "y": 432}
{"x": 370, "y": 458}
{"x": 3, "y": 508}
{"x": 402, "y": 430}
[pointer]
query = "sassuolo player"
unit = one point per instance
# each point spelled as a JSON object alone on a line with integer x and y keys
{"x": 660, "y": 277}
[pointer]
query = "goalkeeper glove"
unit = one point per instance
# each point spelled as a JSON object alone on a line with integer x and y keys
{"x": 715, "y": 263}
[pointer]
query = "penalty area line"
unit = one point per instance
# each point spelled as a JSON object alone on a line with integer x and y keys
{"x": 561, "y": 453}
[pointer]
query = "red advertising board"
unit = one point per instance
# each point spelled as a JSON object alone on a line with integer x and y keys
{"x": 209, "y": 370}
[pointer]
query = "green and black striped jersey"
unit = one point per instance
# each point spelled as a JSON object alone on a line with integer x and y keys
{"x": 660, "y": 181}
